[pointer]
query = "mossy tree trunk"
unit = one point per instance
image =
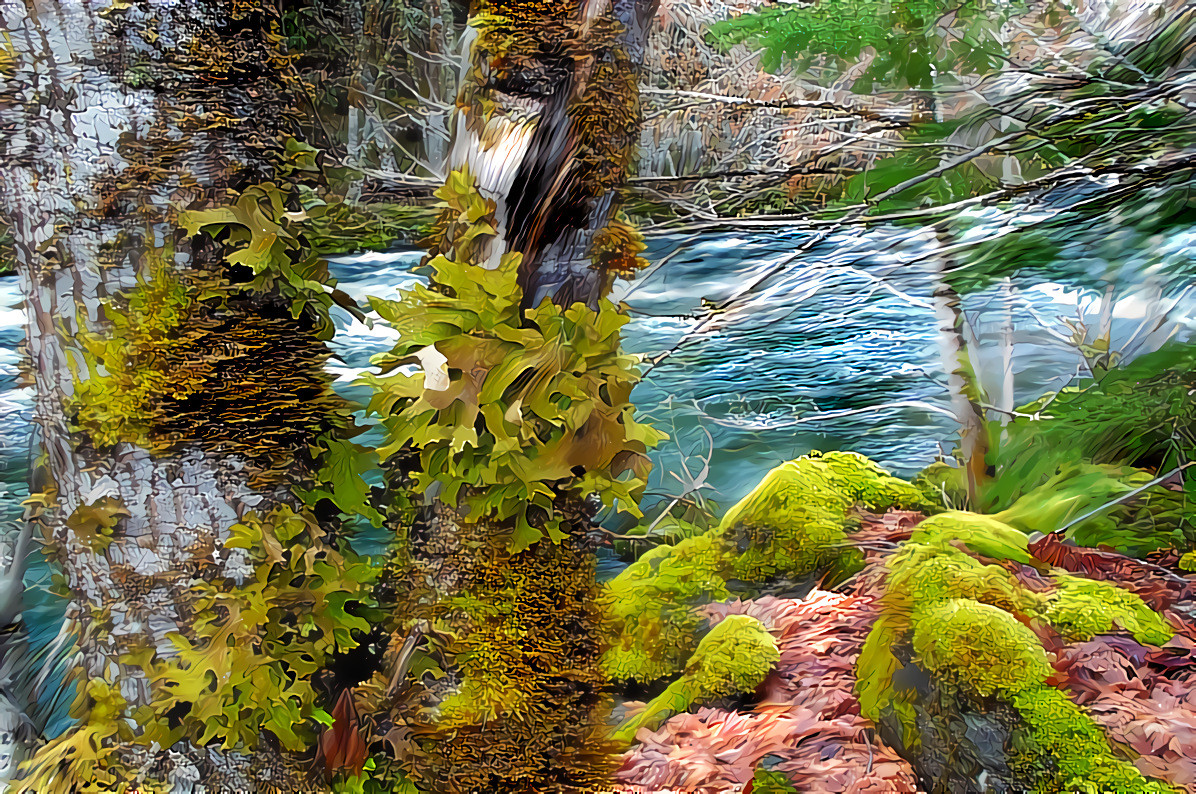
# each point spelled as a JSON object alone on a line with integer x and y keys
{"x": 548, "y": 115}
{"x": 546, "y": 120}
{"x": 174, "y": 398}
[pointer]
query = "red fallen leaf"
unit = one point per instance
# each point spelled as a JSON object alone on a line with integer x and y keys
{"x": 341, "y": 746}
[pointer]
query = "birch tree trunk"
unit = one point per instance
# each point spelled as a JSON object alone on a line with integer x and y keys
{"x": 961, "y": 377}
{"x": 16, "y": 729}
{"x": 170, "y": 397}
{"x": 438, "y": 81}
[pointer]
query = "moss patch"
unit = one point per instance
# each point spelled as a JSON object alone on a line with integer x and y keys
{"x": 1060, "y": 749}
{"x": 793, "y": 524}
{"x": 734, "y": 657}
{"x": 1082, "y": 608}
{"x": 766, "y": 781}
{"x": 982, "y": 646}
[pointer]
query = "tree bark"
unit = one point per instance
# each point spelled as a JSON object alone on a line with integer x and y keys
{"x": 961, "y": 377}
{"x": 546, "y": 121}
{"x": 550, "y": 139}
{"x": 112, "y": 119}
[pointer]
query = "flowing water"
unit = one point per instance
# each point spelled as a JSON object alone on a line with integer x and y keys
{"x": 838, "y": 349}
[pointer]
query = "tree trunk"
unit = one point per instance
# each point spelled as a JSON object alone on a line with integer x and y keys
{"x": 1006, "y": 403}
{"x": 556, "y": 148}
{"x": 172, "y": 396}
{"x": 961, "y": 377}
{"x": 357, "y": 137}
{"x": 439, "y": 80}
{"x": 17, "y": 730}
{"x": 547, "y": 118}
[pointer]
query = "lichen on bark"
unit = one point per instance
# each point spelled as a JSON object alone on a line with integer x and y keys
{"x": 176, "y": 392}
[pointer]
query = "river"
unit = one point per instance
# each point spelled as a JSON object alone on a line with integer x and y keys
{"x": 837, "y": 350}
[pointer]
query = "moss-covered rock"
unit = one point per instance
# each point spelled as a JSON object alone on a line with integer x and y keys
{"x": 985, "y": 535}
{"x": 982, "y": 646}
{"x": 794, "y": 521}
{"x": 932, "y": 570}
{"x": 1060, "y": 749}
{"x": 1082, "y": 608}
{"x": 734, "y": 657}
{"x": 793, "y": 524}
{"x": 965, "y": 623}
{"x": 649, "y": 614}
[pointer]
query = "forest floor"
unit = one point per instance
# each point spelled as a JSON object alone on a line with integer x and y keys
{"x": 802, "y": 730}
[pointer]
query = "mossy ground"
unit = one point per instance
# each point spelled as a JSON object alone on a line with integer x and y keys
{"x": 957, "y": 603}
{"x": 792, "y": 525}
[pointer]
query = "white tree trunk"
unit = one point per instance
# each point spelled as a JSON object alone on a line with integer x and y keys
{"x": 961, "y": 381}
{"x": 98, "y": 155}
{"x": 1006, "y": 401}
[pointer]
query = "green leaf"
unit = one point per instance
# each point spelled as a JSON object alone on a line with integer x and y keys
{"x": 342, "y": 466}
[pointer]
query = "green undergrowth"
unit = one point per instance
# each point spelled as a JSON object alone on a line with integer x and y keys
{"x": 1106, "y": 505}
{"x": 967, "y": 623}
{"x": 733, "y": 657}
{"x": 793, "y": 524}
{"x": 1079, "y": 449}
{"x": 1111, "y": 505}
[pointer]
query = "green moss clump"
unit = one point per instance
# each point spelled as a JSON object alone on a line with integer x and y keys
{"x": 922, "y": 575}
{"x": 984, "y": 535}
{"x": 1061, "y": 749}
{"x": 980, "y": 645}
{"x": 734, "y": 657}
{"x": 649, "y": 607}
{"x": 792, "y": 524}
{"x": 766, "y": 781}
{"x": 942, "y": 484}
{"x": 931, "y": 569}
{"x": 1082, "y": 608}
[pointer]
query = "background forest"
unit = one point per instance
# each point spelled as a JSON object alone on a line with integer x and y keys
{"x": 412, "y": 396}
